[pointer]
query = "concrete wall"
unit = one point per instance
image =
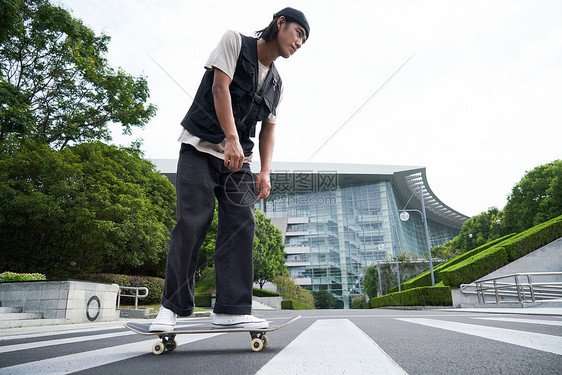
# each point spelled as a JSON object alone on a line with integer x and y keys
{"x": 74, "y": 301}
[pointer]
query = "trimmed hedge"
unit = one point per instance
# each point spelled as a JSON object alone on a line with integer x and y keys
{"x": 264, "y": 293}
{"x": 423, "y": 296}
{"x": 203, "y": 299}
{"x": 534, "y": 238}
{"x": 155, "y": 285}
{"x": 424, "y": 278}
{"x": 6, "y": 277}
{"x": 295, "y": 305}
{"x": 503, "y": 253}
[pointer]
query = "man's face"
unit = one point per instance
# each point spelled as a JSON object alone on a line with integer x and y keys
{"x": 290, "y": 37}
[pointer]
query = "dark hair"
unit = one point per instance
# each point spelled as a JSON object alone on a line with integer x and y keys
{"x": 270, "y": 32}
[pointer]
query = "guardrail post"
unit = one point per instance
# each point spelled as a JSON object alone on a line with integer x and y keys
{"x": 520, "y": 294}
{"x": 531, "y": 287}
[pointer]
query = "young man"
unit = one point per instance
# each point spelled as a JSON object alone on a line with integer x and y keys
{"x": 240, "y": 87}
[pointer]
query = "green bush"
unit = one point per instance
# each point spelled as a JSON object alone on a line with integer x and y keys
{"x": 424, "y": 278}
{"x": 533, "y": 238}
{"x": 475, "y": 267}
{"x": 203, "y": 299}
{"x": 423, "y": 296}
{"x": 294, "y": 305}
{"x": 487, "y": 261}
{"x": 155, "y": 285}
{"x": 264, "y": 293}
{"x": 293, "y": 292}
{"x": 7, "y": 276}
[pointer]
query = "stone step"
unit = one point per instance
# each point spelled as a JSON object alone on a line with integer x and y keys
{"x": 20, "y": 316}
{"x": 256, "y": 305}
{"x": 5, "y": 310}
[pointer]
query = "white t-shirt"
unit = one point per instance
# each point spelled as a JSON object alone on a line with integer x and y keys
{"x": 224, "y": 57}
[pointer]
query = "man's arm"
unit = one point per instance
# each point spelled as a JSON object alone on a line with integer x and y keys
{"x": 267, "y": 142}
{"x": 233, "y": 153}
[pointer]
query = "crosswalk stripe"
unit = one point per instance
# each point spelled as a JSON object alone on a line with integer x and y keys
{"x": 538, "y": 341}
{"x": 94, "y": 358}
{"x": 332, "y": 346}
{"x": 529, "y": 321}
{"x": 69, "y": 340}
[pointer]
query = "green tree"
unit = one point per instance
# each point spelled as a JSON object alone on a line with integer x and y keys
{"x": 55, "y": 82}
{"x": 269, "y": 251}
{"x": 87, "y": 208}
{"x": 536, "y": 198}
{"x": 475, "y": 232}
{"x": 324, "y": 300}
{"x": 371, "y": 281}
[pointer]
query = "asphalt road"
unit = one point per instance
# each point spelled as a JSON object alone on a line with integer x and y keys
{"x": 381, "y": 341}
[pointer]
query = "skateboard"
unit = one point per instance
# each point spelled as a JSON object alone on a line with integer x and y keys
{"x": 168, "y": 339}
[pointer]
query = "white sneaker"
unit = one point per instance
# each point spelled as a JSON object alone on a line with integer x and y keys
{"x": 226, "y": 321}
{"x": 165, "y": 321}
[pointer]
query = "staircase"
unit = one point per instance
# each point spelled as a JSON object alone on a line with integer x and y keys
{"x": 12, "y": 317}
{"x": 257, "y": 305}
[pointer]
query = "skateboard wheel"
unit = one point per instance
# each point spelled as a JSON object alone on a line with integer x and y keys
{"x": 257, "y": 345}
{"x": 265, "y": 341}
{"x": 158, "y": 348}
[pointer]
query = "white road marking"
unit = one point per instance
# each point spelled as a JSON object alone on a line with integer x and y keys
{"x": 70, "y": 340}
{"x": 94, "y": 358}
{"x": 529, "y": 321}
{"x": 332, "y": 346}
{"x": 538, "y": 341}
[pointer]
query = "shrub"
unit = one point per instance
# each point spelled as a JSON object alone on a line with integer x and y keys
{"x": 356, "y": 302}
{"x": 476, "y": 266}
{"x": 324, "y": 300}
{"x": 13, "y": 276}
{"x": 155, "y": 285}
{"x": 291, "y": 291}
{"x": 534, "y": 238}
{"x": 423, "y": 296}
{"x": 203, "y": 299}
{"x": 264, "y": 293}
{"x": 294, "y": 305}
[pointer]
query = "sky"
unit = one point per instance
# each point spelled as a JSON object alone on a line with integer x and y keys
{"x": 471, "y": 90}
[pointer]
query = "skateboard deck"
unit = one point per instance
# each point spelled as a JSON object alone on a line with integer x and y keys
{"x": 168, "y": 342}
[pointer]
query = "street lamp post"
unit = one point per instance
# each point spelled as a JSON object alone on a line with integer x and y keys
{"x": 381, "y": 248}
{"x": 499, "y": 222}
{"x": 404, "y": 216}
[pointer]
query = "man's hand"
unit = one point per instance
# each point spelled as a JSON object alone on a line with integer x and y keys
{"x": 233, "y": 154}
{"x": 263, "y": 185}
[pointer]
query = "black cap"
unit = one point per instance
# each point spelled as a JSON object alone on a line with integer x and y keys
{"x": 295, "y": 15}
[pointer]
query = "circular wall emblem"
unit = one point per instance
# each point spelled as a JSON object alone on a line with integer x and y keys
{"x": 93, "y": 308}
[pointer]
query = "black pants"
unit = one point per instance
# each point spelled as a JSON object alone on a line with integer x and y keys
{"x": 200, "y": 179}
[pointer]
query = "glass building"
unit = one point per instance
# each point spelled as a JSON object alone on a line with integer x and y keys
{"x": 338, "y": 219}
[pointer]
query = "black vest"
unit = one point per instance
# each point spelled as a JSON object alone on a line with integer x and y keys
{"x": 248, "y": 106}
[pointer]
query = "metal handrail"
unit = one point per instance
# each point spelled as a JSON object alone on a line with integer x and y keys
{"x": 136, "y": 295}
{"x": 522, "y": 289}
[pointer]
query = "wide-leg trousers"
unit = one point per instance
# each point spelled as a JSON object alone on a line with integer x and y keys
{"x": 200, "y": 179}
